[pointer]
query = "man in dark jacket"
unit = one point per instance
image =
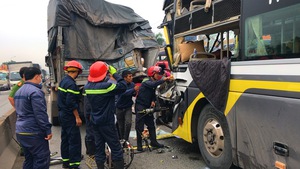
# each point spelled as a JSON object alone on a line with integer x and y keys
{"x": 101, "y": 95}
{"x": 33, "y": 128}
{"x": 145, "y": 100}
{"x": 124, "y": 106}
{"x": 70, "y": 121}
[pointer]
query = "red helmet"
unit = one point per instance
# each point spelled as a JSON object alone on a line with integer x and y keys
{"x": 73, "y": 64}
{"x": 153, "y": 69}
{"x": 98, "y": 71}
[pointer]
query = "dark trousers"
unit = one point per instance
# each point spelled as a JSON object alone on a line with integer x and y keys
{"x": 36, "y": 151}
{"x": 124, "y": 117}
{"x": 89, "y": 137}
{"x": 71, "y": 145}
{"x": 142, "y": 119}
{"x": 89, "y": 129}
{"x": 107, "y": 134}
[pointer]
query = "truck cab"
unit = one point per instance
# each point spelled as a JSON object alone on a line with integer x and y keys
{"x": 14, "y": 78}
{"x": 13, "y": 71}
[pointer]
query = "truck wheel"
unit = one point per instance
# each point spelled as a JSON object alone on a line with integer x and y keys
{"x": 213, "y": 139}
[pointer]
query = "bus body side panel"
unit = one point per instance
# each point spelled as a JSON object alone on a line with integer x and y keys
{"x": 263, "y": 121}
{"x": 230, "y": 113}
{"x": 191, "y": 97}
{"x": 266, "y": 104}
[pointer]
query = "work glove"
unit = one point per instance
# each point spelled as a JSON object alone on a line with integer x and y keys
{"x": 112, "y": 70}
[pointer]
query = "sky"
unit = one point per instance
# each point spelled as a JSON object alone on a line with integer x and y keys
{"x": 23, "y": 30}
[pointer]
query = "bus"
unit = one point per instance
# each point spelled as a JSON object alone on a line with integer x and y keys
{"x": 239, "y": 103}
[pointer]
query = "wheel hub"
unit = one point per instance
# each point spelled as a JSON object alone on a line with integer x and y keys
{"x": 213, "y": 137}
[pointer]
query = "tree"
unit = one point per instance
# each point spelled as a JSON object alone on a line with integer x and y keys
{"x": 159, "y": 38}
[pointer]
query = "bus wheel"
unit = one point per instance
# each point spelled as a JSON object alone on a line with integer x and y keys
{"x": 213, "y": 139}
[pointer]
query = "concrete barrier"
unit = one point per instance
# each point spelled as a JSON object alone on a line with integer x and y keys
{"x": 9, "y": 148}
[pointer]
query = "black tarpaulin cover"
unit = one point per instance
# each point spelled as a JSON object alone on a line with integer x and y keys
{"x": 212, "y": 78}
{"x": 96, "y": 29}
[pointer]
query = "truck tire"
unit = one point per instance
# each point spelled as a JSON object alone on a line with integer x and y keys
{"x": 214, "y": 139}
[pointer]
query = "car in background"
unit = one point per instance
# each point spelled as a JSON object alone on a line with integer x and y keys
{"x": 4, "y": 82}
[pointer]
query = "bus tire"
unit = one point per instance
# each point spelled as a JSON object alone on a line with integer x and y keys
{"x": 214, "y": 139}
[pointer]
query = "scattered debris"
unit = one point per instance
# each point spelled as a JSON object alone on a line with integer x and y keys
{"x": 174, "y": 157}
{"x": 159, "y": 151}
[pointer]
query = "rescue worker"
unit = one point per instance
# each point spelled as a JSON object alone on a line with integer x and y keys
{"x": 17, "y": 87}
{"x": 33, "y": 129}
{"x": 145, "y": 100}
{"x": 70, "y": 121}
{"x": 124, "y": 106}
{"x": 101, "y": 95}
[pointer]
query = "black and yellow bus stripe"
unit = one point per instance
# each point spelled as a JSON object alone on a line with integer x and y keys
{"x": 236, "y": 89}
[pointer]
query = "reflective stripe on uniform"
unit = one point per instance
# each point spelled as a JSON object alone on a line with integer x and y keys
{"x": 65, "y": 159}
{"x": 76, "y": 163}
{"x": 100, "y": 91}
{"x": 145, "y": 79}
{"x": 26, "y": 134}
{"x": 68, "y": 90}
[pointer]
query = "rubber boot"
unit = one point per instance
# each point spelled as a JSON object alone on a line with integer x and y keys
{"x": 139, "y": 141}
{"x": 153, "y": 140}
{"x": 118, "y": 164}
{"x": 100, "y": 165}
{"x": 65, "y": 164}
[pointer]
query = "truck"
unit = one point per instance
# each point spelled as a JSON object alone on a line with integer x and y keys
{"x": 96, "y": 30}
{"x": 13, "y": 71}
{"x": 236, "y": 89}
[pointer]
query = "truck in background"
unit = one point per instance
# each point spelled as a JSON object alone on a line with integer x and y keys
{"x": 13, "y": 71}
{"x": 89, "y": 31}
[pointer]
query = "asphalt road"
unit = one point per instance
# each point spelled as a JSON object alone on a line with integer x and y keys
{"x": 179, "y": 153}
